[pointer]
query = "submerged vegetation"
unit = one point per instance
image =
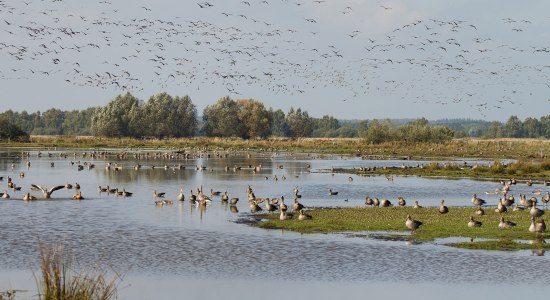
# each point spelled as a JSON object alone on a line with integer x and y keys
{"x": 391, "y": 220}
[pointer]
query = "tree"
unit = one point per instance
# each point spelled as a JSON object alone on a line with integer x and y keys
{"x": 254, "y": 117}
{"x": 114, "y": 119}
{"x": 362, "y": 128}
{"x": 531, "y": 128}
{"x": 495, "y": 130}
{"x": 377, "y": 132}
{"x": 9, "y": 131}
{"x": 222, "y": 119}
{"x": 279, "y": 127}
{"x": 545, "y": 126}
{"x": 165, "y": 116}
{"x": 53, "y": 119}
{"x": 300, "y": 124}
{"x": 513, "y": 127}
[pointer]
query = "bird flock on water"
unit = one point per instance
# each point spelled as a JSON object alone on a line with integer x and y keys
{"x": 291, "y": 48}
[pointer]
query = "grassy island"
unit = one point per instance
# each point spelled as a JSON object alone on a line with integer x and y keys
{"x": 391, "y": 221}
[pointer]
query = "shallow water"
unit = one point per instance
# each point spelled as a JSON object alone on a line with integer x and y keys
{"x": 206, "y": 253}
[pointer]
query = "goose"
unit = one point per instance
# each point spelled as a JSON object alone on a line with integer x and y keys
{"x": 442, "y": 208}
{"x": 68, "y": 186}
{"x": 225, "y": 198}
{"x": 78, "y": 196}
{"x": 102, "y": 190}
{"x": 181, "y": 197}
{"x": 546, "y": 198}
{"x": 532, "y": 226}
{"x": 192, "y": 197}
{"x": 297, "y": 205}
{"x": 416, "y": 205}
{"x": 5, "y": 195}
{"x": 480, "y": 211}
{"x": 500, "y": 207}
{"x": 214, "y": 193}
{"x": 412, "y": 224}
{"x": 285, "y": 216}
{"x": 233, "y": 201}
{"x": 155, "y": 194}
{"x": 369, "y": 201}
{"x": 304, "y": 216}
{"x": 478, "y": 201}
{"x": 508, "y": 201}
{"x": 505, "y": 224}
{"x": 401, "y": 201}
{"x": 540, "y": 226}
{"x": 270, "y": 207}
{"x": 16, "y": 188}
{"x": 529, "y": 182}
{"x": 47, "y": 193}
{"x": 28, "y": 197}
{"x": 159, "y": 203}
{"x": 77, "y": 186}
{"x": 125, "y": 193}
{"x": 331, "y": 193}
{"x": 110, "y": 190}
{"x": 473, "y": 223}
{"x": 376, "y": 202}
{"x": 283, "y": 206}
{"x": 254, "y": 207}
{"x": 536, "y": 212}
{"x": 167, "y": 202}
{"x": 385, "y": 203}
{"x": 517, "y": 208}
{"x": 296, "y": 193}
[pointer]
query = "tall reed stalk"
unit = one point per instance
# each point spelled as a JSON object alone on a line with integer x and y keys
{"x": 59, "y": 280}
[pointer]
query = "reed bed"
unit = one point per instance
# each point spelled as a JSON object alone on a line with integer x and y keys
{"x": 59, "y": 280}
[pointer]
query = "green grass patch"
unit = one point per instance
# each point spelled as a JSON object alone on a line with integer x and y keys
{"x": 392, "y": 220}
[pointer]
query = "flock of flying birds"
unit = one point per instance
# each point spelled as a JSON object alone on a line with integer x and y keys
{"x": 290, "y": 48}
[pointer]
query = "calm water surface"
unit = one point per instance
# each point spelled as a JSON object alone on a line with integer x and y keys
{"x": 170, "y": 251}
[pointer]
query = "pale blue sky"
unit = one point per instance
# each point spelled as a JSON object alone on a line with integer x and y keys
{"x": 353, "y": 59}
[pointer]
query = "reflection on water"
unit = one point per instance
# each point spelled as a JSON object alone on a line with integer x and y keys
{"x": 197, "y": 244}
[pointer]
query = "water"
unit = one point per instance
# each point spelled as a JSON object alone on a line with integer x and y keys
{"x": 164, "y": 250}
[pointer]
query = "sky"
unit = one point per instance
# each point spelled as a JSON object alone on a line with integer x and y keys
{"x": 351, "y": 59}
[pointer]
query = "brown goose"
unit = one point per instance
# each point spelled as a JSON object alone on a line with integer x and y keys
{"x": 401, "y": 201}
{"x": 500, "y": 207}
{"x": 304, "y": 216}
{"x": 412, "y": 224}
{"x": 536, "y": 212}
{"x": 442, "y": 208}
{"x": 331, "y": 193}
{"x": 477, "y": 201}
{"x": 369, "y": 201}
{"x": 181, "y": 196}
{"x": 416, "y": 205}
{"x": 506, "y": 224}
{"x": 473, "y": 223}
{"x": 297, "y": 205}
{"x": 480, "y": 211}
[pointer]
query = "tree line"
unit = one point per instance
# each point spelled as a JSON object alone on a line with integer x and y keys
{"x": 164, "y": 116}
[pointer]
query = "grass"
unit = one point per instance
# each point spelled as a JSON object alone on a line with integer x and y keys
{"x": 60, "y": 281}
{"x": 522, "y": 169}
{"x": 476, "y": 148}
{"x": 392, "y": 220}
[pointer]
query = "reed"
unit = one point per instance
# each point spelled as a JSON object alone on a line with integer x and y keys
{"x": 59, "y": 280}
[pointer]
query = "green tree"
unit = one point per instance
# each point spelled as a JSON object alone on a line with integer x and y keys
{"x": 362, "y": 128}
{"x": 299, "y": 122}
{"x": 114, "y": 119}
{"x": 279, "y": 127}
{"x": 377, "y": 132}
{"x": 495, "y": 130}
{"x": 53, "y": 119}
{"x": 254, "y": 118}
{"x": 165, "y": 116}
{"x": 545, "y": 126}
{"x": 12, "y": 132}
{"x": 531, "y": 128}
{"x": 513, "y": 127}
{"x": 222, "y": 119}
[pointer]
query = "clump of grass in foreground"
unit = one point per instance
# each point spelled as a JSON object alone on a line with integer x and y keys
{"x": 392, "y": 219}
{"x": 8, "y": 295}
{"x": 505, "y": 244}
{"x": 59, "y": 281}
